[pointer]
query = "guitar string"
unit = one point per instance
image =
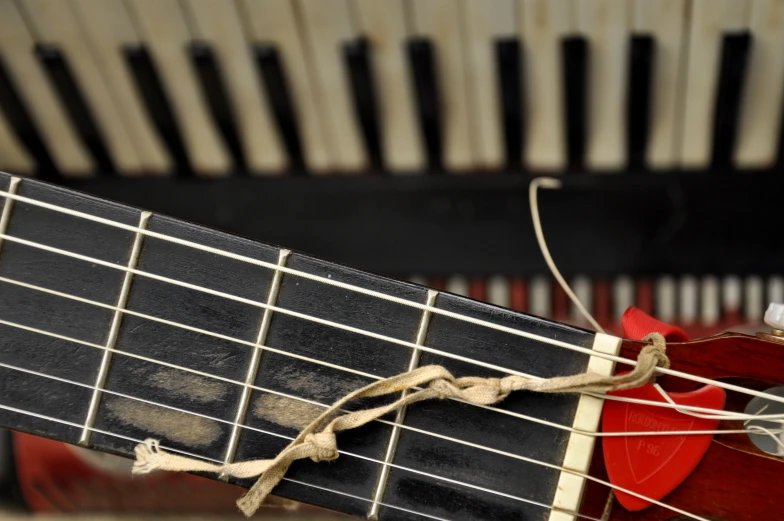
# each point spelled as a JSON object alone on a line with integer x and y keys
{"x": 379, "y": 336}
{"x": 366, "y": 458}
{"x": 357, "y": 289}
{"x": 682, "y": 408}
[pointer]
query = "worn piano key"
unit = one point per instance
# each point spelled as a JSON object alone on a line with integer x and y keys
{"x": 731, "y": 298}
{"x": 775, "y": 289}
{"x": 19, "y": 121}
{"x": 499, "y": 291}
{"x": 458, "y": 285}
{"x": 543, "y": 24}
{"x": 734, "y": 57}
{"x": 641, "y": 64}
{"x": 269, "y": 66}
{"x": 108, "y": 28}
{"x": 688, "y": 300}
{"x": 754, "y": 304}
{"x": 148, "y": 83}
{"x": 440, "y": 22}
{"x": 604, "y": 25}
{"x": 13, "y": 156}
{"x": 422, "y": 57}
{"x": 540, "y": 296}
{"x": 763, "y": 92}
{"x": 665, "y": 21}
{"x": 358, "y": 60}
{"x": 710, "y": 301}
{"x": 665, "y": 303}
{"x": 327, "y": 24}
{"x": 489, "y": 23}
{"x": 710, "y": 21}
{"x": 40, "y": 98}
{"x": 57, "y": 67}
{"x": 623, "y": 296}
{"x": 510, "y": 66}
{"x": 575, "y": 80}
{"x": 220, "y": 25}
{"x": 583, "y": 290}
{"x": 217, "y": 98}
{"x": 165, "y": 34}
{"x": 384, "y": 23}
{"x": 82, "y": 85}
{"x": 273, "y": 22}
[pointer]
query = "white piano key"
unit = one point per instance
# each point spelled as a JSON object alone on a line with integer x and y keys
{"x": 385, "y": 22}
{"x": 754, "y": 304}
{"x": 274, "y": 22}
{"x": 487, "y": 21}
{"x": 544, "y": 23}
{"x": 327, "y": 24}
{"x": 16, "y": 46}
{"x": 623, "y": 296}
{"x": 220, "y": 25}
{"x": 710, "y": 20}
{"x": 164, "y": 31}
{"x": 55, "y": 23}
{"x": 689, "y": 299}
{"x": 775, "y": 289}
{"x": 710, "y": 301}
{"x": 583, "y": 290}
{"x": 666, "y": 21}
{"x": 731, "y": 294}
{"x": 14, "y": 157}
{"x": 440, "y": 21}
{"x": 665, "y": 298}
{"x": 457, "y": 285}
{"x": 605, "y": 25}
{"x": 418, "y": 279}
{"x": 760, "y": 113}
{"x": 108, "y": 28}
{"x": 498, "y": 291}
{"x": 540, "y": 302}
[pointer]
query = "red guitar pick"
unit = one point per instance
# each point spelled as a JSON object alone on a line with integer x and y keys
{"x": 655, "y": 465}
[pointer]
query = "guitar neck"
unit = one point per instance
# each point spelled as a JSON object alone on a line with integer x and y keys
{"x": 119, "y": 325}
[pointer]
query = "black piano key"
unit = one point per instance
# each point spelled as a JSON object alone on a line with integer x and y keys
{"x": 735, "y": 51}
{"x": 149, "y": 85}
{"x": 421, "y": 55}
{"x": 273, "y": 76}
{"x": 508, "y": 55}
{"x": 356, "y": 54}
{"x": 575, "y": 76}
{"x": 56, "y": 66}
{"x": 642, "y": 53}
{"x": 23, "y": 125}
{"x": 217, "y": 97}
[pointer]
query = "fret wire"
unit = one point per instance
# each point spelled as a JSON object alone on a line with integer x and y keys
{"x": 277, "y": 435}
{"x": 406, "y": 343}
{"x": 199, "y": 456}
{"x": 457, "y": 482}
{"x": 383, "y": 296}
{"x": 400, "y": 416}
{"x": 5, "y": 218}
{"x": 253, "y": 366}
{"x": 114, "y": 330}
{"x": 312, "y": 360}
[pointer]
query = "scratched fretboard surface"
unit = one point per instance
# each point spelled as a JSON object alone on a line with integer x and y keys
{"x": 191, "y": 348}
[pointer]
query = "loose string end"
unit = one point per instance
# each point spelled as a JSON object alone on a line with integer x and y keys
{"x": 148, "y": 457}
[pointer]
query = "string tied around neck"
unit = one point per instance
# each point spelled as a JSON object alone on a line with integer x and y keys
{"x": 317, "y": 441}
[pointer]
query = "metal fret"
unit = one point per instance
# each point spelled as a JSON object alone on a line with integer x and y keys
{"x": 253, "y": 366}
{"x": 9, "y": 205}
{"x": 114, "y": 329}
{"x": 383, "y": 478}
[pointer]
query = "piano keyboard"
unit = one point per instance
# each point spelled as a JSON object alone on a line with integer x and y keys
{"x": 275, "y": 86}
{"x": 702, "y": 305}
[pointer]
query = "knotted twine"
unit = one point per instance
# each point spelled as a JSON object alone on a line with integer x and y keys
{"x": 319, "y": 444}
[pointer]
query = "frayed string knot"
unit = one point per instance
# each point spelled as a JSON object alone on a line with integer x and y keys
{"x": 325, "y": 446}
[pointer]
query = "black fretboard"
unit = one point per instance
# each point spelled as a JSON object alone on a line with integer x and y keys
{"x": 151, "y": 347}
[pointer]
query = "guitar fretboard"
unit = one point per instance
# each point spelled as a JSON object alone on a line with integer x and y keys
{"x": 110, "y": 335}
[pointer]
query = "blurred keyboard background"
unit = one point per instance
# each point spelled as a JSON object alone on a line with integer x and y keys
{"x": 399, "y": 136}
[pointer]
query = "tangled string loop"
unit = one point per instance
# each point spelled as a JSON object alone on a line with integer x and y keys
{"x": 317, "y": 441}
